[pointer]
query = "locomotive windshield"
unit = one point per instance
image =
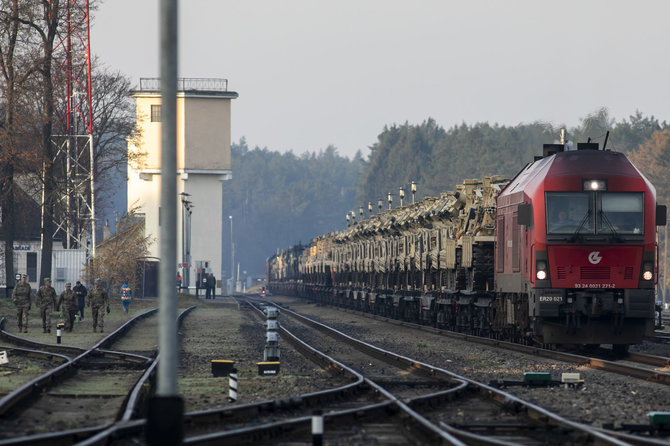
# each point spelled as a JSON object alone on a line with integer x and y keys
{"x": 621, "y": 213}
{"x": 569, "y": 212}
{"x": 595, "y": 213}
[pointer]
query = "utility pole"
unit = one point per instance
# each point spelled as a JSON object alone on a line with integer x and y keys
{"x": 166, "y": 409}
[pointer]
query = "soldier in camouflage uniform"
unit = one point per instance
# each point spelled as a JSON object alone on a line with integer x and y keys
{"x": 69, "y": 304}
{"x": 46, "y": 300}
{"x": 21, "y": 298}
{"x": 98, "y": 299}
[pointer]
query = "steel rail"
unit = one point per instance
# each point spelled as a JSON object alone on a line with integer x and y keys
{"x": 534, "y": 412}
{"x": 76, "y": 351}
{"x": 267, "y": 431}
{"x": 50, "y": 356}
{"x": 126, "y": 428}
{"x": 653, "y": 360}
{"x": 130, "y": 406}
{"x": 37, "y": 385}
{"x": 595, "y": 363}
{"x": 100, "y": 434}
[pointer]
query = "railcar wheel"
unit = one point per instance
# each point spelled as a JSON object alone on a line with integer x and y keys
{"x": 620, "y": 350}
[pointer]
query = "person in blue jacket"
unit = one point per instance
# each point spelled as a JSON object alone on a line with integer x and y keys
{"x": 126, "y": 297}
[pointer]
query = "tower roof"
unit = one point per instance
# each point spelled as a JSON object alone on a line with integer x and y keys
{"x": 187, "y": 86}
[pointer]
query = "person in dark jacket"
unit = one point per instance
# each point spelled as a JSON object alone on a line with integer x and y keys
{"x": 212, "y": 284}
{"x": 80, "y": 291}
{"x": 208, "y": 289}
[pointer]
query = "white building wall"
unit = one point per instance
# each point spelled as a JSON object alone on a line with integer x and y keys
{"x": 203, "y": 162}
{"x": 206, "y": 226}
{"x": 144, "y": 194}
{"x": 67, "y": 265}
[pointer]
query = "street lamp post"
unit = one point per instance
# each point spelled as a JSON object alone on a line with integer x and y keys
{"x": 185, "y": 237}
{"x": 401, "y": 194}
{"x": 389, "y": 198}
{"x": 353, "y": 218}
{"x": 360, "y": 212}
{"x": 370, "y": 208}
{"x": 189, "y": 212}
{"x": 413, "y": 189}
{"x": 348, "y": 218}
{"x": 380, "y": 203}
{"x": 232, "y": 259}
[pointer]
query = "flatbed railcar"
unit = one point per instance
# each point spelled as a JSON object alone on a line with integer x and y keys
{"x": 564, "y": 253}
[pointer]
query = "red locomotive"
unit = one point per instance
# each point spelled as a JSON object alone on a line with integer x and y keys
{"x": 564, "y": 253}
{"x": 576, "y": 246}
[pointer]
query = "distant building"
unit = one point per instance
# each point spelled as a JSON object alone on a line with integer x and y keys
{"x": 66, "y": 264}
{"x": 203, "y": 162}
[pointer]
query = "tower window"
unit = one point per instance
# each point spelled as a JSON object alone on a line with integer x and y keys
{"x": 155, "y": 113}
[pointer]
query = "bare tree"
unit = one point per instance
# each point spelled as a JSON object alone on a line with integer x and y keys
{"x": 16, "y": 69}
{"x": 34, "y": 29}
{"x": 116, "y": 258}
{"x": 114, "y": 126}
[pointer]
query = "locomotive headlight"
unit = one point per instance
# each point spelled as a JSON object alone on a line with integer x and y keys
{"x": 599, "y": 185}
{"x": 647, "y": 271}
{"x": 541, "y": 270}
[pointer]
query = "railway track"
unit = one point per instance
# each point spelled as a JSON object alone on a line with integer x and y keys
{"x": 633, "y": 365}
{"x": 500, "y": 416}
{"x": 83, "y": 396}
{"x": 411, "y": 405}
{"x": 129, "y": 428}
{"x": 644, "y": 367}
{"x": 391, "y": 411}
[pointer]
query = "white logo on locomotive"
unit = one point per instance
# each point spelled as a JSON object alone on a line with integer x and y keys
{"x": 594, "y": 257}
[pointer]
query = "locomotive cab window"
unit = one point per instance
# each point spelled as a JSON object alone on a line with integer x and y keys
{"x": 595, "y": 213}
{"x": 621, "y": 213}
{"x": 569, "y": 212}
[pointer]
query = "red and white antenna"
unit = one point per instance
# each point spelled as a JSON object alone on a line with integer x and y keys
{"x": 73, "y": 135}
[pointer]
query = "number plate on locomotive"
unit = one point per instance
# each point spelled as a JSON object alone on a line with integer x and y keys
{"x": 553, "y": 299}
{"x": 594, "y": 285}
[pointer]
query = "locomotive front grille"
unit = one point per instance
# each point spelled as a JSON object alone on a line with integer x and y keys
{"x": 595, "y": 272}
{"x": 561, "y": 273}
{"x": 628, "y": 273}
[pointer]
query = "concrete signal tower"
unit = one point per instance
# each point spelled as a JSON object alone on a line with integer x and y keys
{"x": 203, "y": 162}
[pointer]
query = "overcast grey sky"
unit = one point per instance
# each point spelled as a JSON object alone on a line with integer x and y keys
{"x": 312, "y": 72}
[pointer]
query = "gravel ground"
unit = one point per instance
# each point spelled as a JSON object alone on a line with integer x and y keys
{"x": 220, "y": 330}
{"x": 215, "y": 330}
{"x": 604, "y": 398}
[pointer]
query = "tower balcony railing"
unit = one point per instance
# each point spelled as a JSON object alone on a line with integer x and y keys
{"x": 186, "y": 84}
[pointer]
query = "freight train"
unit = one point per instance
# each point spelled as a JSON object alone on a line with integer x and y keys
{"x": 564, "y": 253}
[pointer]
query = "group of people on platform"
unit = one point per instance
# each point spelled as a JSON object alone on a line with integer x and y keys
{"x": 209, "y": 284}
{"x": 71, "y": 303}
